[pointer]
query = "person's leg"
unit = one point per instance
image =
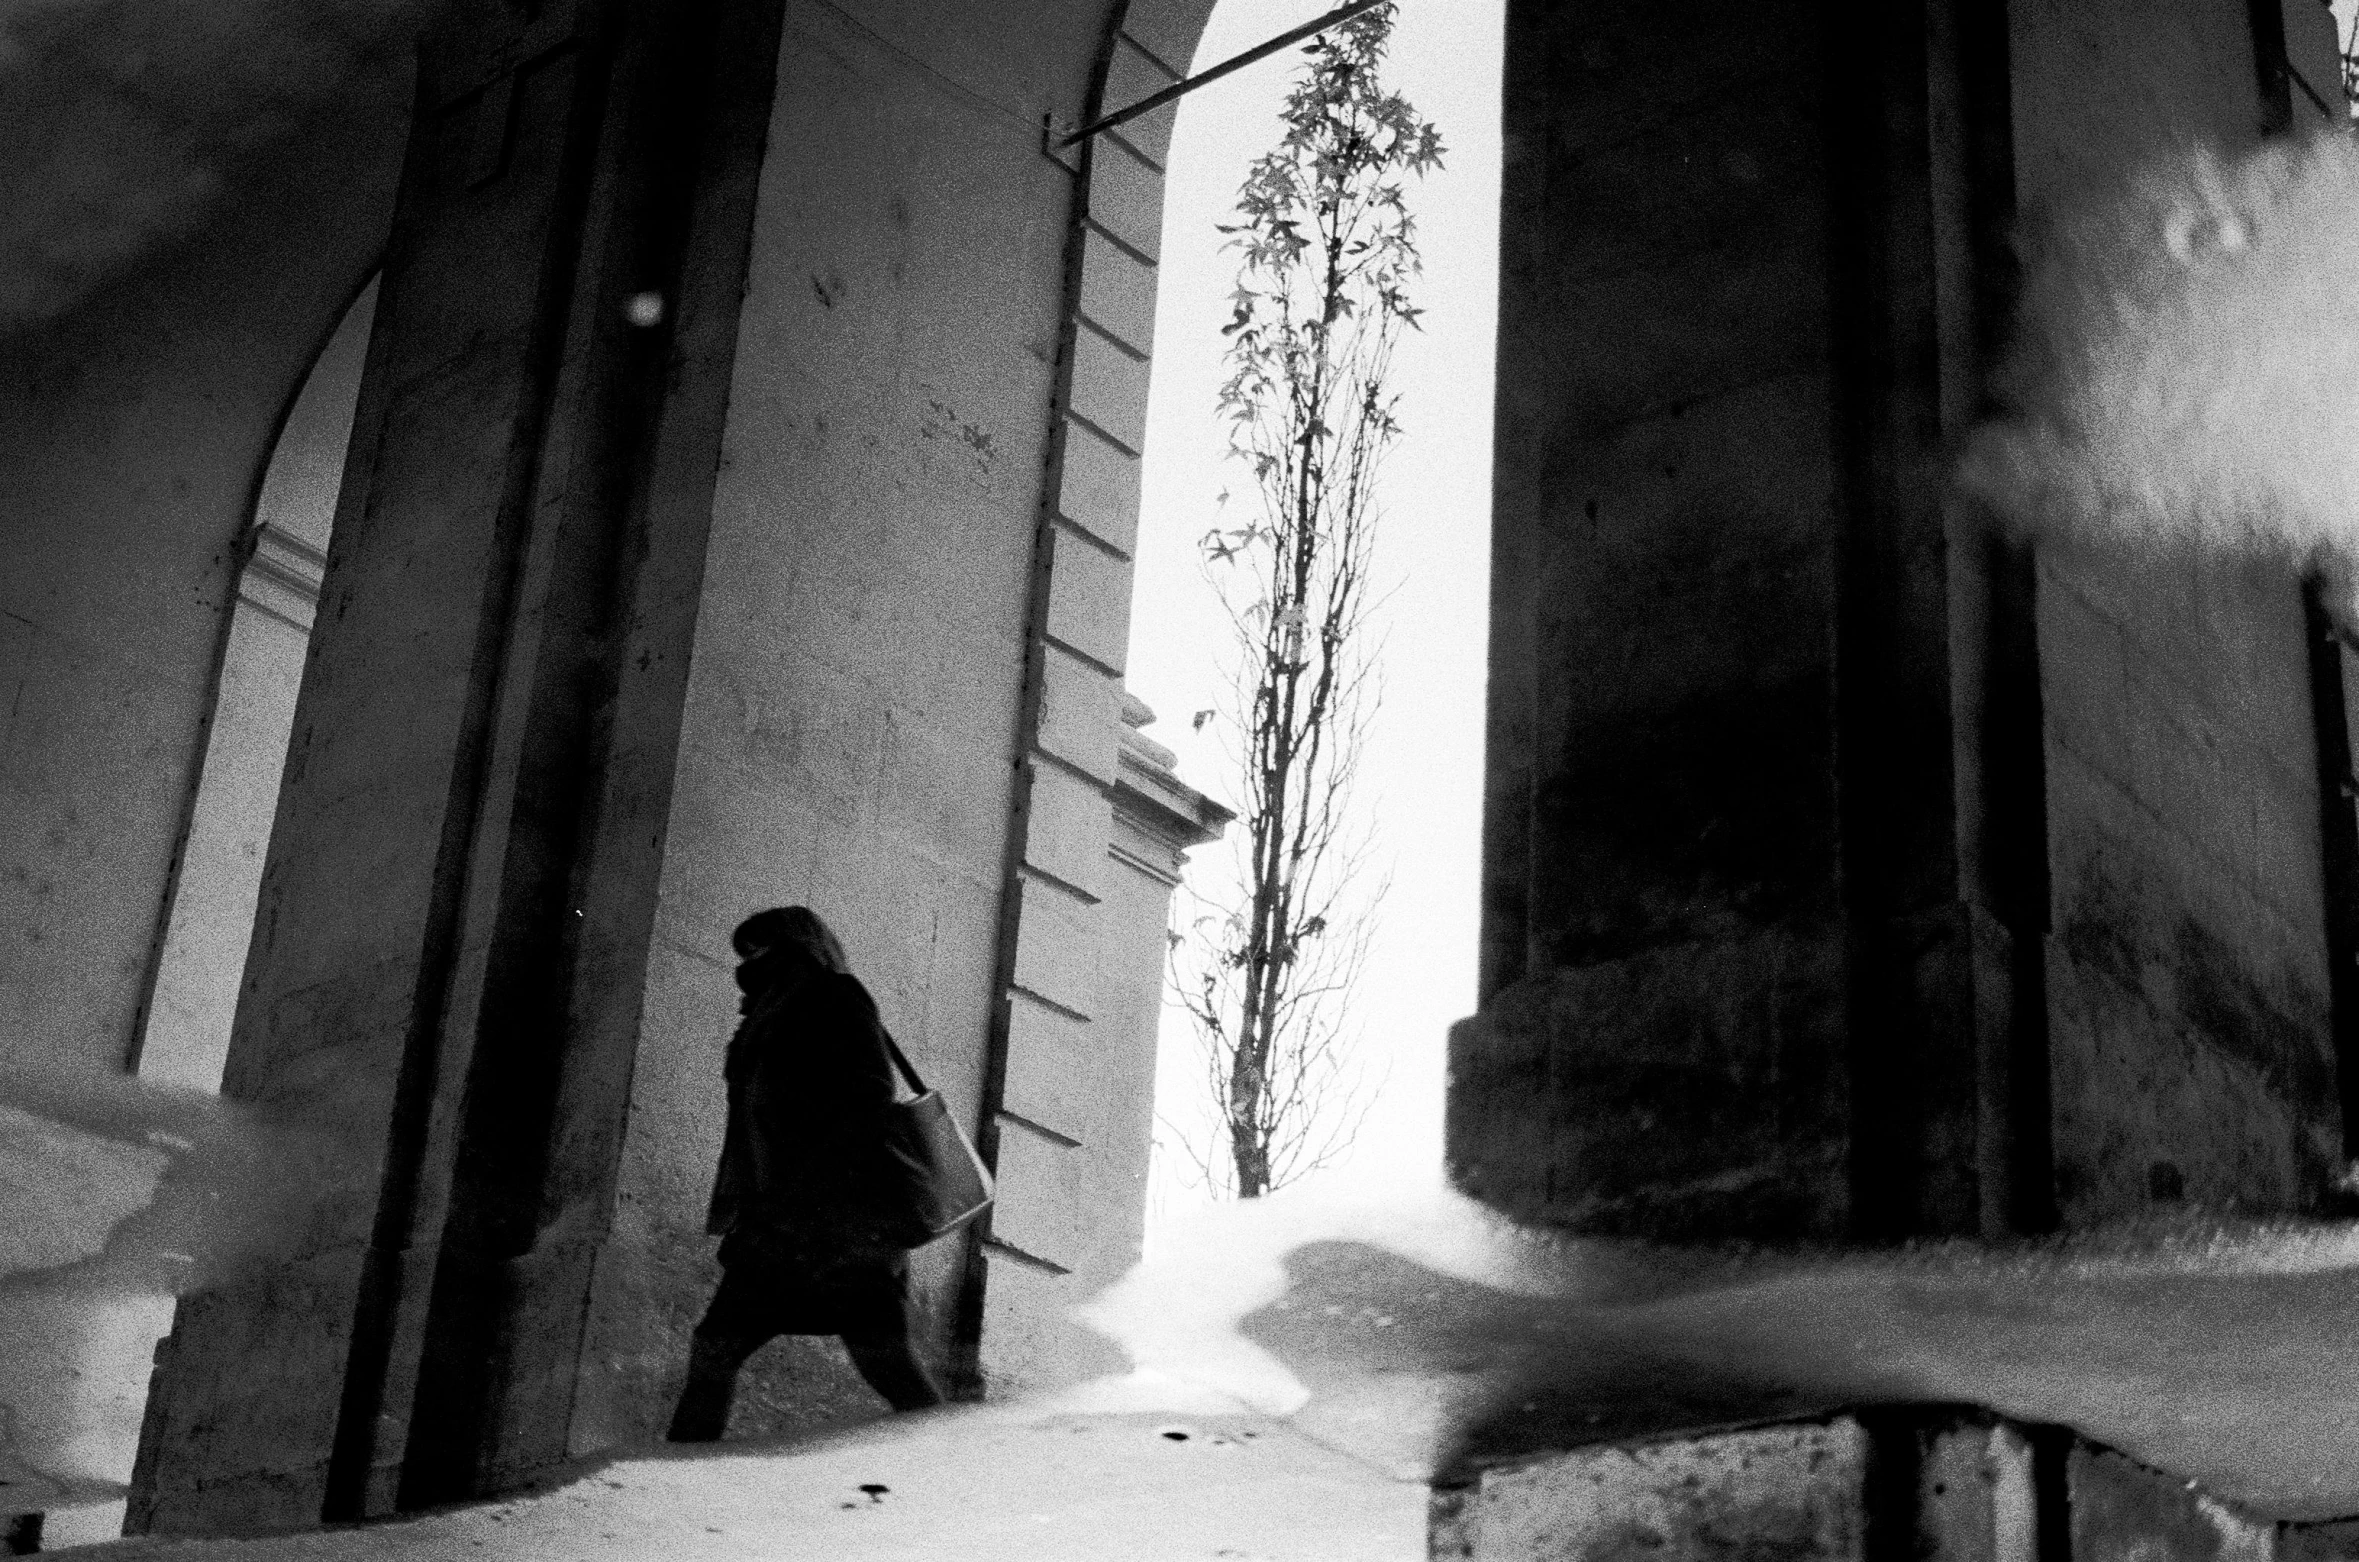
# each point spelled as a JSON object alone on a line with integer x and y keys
{"x": 734, "y": 1326}
{"x": 890, "y": 1364}
{"x": 702, "y": 1415}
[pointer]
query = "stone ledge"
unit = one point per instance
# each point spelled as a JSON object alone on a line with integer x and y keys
{"x": 282, "y": 575}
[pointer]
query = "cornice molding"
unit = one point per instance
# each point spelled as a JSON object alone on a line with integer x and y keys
{"x": 282, "y": 575}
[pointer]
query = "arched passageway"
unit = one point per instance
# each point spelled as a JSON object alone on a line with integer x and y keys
{"x": 694, "y": 554}
{"x": 192, "y": 998}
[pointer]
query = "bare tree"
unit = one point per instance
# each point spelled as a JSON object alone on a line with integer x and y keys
{"x": 1328, "y": 248}
{"x": 2349, "y": 49}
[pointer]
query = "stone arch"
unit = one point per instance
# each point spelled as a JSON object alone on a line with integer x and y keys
{"x": 1076, "y": 763}
{"x": 201, "y": 954}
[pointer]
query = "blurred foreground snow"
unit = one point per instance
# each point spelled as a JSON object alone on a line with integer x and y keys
{"x": 114, "y": 1194}
{"x": 1419, "y": 1331}
{"x": 1333, "y": 1348}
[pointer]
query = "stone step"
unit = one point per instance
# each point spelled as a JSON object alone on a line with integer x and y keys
{"x": 1890, "y": 1484}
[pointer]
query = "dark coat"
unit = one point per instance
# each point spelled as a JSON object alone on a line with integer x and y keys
{"x": 810, "y": 1076}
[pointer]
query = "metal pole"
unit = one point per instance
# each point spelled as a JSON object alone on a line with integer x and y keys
{"x": 1179, "y": 89}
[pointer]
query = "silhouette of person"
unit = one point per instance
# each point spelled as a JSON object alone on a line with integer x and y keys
{"x": 809, "y": 1076}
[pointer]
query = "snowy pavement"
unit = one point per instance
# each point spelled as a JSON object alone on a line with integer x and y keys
{"x": 1424, "y": 1334}
{"x": 1307, "y": 1364}
{"x": 1324, "y": 1355}
{"x": 978, "y": 1482}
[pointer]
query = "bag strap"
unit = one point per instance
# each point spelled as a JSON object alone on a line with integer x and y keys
{"x": 900, "y": 1058}
{"x": 916, "y": 1084}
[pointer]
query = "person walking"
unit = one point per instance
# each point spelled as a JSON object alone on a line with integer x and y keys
{"x": 810, "y": 1077}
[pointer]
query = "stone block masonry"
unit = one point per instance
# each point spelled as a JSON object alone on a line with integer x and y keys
{"x": 1788, "y": 1491}
{"x": 1892, "y": 1484}
{"x": 1720, "y": 683}
{"x": 1857, "y": 866}
{"x": 1072, "y": 1171}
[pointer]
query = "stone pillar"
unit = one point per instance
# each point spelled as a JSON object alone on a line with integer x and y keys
{"x": 463, "y": 851}
{"x": 1095, "y": 1107}
{"x": 184, "y": 1039}
{"x": 1740, "y": 953}
{"x": 1071, "y": 764}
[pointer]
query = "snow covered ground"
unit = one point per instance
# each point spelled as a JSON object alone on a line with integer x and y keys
{"x": 1420, "y": 1332}
{"x": 1322, "y": 1355}
{"x": 1021, "y": 1482}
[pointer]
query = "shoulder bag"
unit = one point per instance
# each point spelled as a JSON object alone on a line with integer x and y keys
{"x": 934, "y": 1180}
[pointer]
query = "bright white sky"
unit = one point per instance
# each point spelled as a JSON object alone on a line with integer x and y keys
{"x": 1422, "y": 774}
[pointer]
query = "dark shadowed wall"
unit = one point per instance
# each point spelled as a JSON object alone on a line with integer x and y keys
{"x": 2188, "y": 989}
{"x": 1853, "y": 866}
{"x": 133, "y": 431}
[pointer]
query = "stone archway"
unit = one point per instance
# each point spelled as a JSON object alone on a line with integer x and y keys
{"x": 694, "y": 555}
{"x": 1060, "y": 1226}
{"x": 192, "y": 999}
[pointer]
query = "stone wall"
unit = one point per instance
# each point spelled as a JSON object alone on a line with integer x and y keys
{"x": 1855, "y": 867}
{"x": 1932, "y": 1483}
{"x": 1101, "y": 1095}
{"x": 1058, "y": 1017}
{"x": 894, "y": 607}
{"x": 133, "y": 433}
{"x": 807, "y": 584}
{"x": 854, "y": 684}
{"x": 2188, "y": 984}
{"x": 1719, "y": 818}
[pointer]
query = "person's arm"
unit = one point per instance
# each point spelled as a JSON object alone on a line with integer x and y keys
{"x": 770, "y": 1122}
{"x": 868, "y": 1082}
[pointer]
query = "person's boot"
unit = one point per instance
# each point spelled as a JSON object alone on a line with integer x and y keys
{"x": 891, "y": 1367}
{"x": 702, "y": 1415}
